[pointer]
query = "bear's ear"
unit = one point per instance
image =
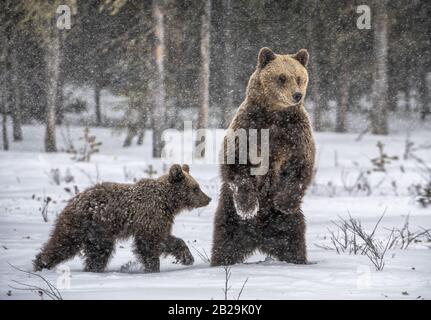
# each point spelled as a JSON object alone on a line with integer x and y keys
{"x": 176, "y": 173}
{"x": 186, "y": 168}
{"x": 265, "y": 56}
{"x": 302, "y": 56}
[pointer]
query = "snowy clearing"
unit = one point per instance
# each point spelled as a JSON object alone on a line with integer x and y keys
{"x": 27, "y": 176}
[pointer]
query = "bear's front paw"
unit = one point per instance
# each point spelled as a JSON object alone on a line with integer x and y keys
{"x": 186, "y": 258}
{"x": 245, "y": 201}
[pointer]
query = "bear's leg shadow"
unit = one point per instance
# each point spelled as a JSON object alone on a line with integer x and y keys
{"x": 148, "y": 252}
{"x": 283, "y": 237}
{"x": 177, "y": 248}
{"x": 63, "y": 245}
{"x": 233, "y": 237}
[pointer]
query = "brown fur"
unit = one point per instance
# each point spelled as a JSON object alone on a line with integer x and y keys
{"x": 94, "y": 219}
{"x": 278, "y": 228}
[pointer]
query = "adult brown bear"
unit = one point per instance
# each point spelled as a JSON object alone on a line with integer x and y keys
{"x": 263, "y": 212}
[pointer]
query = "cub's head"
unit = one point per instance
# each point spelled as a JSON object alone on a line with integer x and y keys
{"x": 280, "y": 80}
{"x": 187, "y": 192}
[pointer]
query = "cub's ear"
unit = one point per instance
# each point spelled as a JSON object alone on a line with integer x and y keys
{"x": 302, "y": 56}
{"x": 265, "y": 56}
{"x": 176, "y": 173}
{"x": 186, "y": 168}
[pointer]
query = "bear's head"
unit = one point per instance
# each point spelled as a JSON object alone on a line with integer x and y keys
{"x": 187, "y": 192}
{"x": 279, "y": 80}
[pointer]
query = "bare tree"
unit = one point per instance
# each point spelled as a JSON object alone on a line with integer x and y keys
{"x": 5, "y": 52}
{"x": 314, "y": 66}
{"x": 4, "y": 127}
{"x": 424, "y": 93}
{"x": 42, "y": 15}
{"x": 229, "y": 56}
{"x": 97, "y": 89}
{"x": 11, "y": 77}
{"x": 3, "y": 108}
{"x": 343, "y": 100}
{"x": 158, "y": 89}
{"x": 52, "y": 57}
{"x": 379, "y": 109}
{"x": 202, "y": 122}
{"x": 16, "y": 84}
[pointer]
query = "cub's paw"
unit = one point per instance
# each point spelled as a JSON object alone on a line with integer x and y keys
{"x": 186, "y": 258}
{"x": 245, "y": 201}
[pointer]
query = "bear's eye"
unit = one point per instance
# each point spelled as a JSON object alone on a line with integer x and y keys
{"x": 196, "y": 189}
{"x": 298, "y": 80}
{"x": 282, "y": 79}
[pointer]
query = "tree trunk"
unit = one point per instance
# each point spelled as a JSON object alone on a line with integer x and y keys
{"x": 97, "y": 90}
{"x": 131, "y": 125}
{"x": 202, "y": 122}
{"x": 4, "y": 76}
{"x": 4, "y": 127}
{"x": 3, "y": 105}
{"x": 379, "y": 109}
{"x": 317, "y": 105}
{"x": 59, "y": 100}
{"x": 142, "y": 121}
{"x": 229, "y": 65}
{"x": 52, "y": 73}
{"x": 342, "y": 101}
{"x": 158, "y": 82}
{"x": 16, "y": 94}
{"x": 424, "y": 94}
{"x": 312, "y": 30}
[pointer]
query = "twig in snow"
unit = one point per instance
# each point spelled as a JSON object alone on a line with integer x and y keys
{"x": 50, "y": 290}
{"x": 90, "y": 178}
{"x": 202, "y": 255}
{"x": 227, "y": 287}
{"x": 242, "y": 289}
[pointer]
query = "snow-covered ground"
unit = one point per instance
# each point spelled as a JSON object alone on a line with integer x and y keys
{"x": 27, "y": 177}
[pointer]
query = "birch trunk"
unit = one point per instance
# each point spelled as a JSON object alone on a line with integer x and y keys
{"x": 202, "y": 122}
{"x": 379, "y": 109}
{"x": 229, "y": 72}
{"x": 98, "y": 110}
{"x": 16, "y": 95}
{"x": 4, "y": 63}
{"x": 158, "y": 82}
{"x": 52, "y": 73}
{"x": 314, "y": 66}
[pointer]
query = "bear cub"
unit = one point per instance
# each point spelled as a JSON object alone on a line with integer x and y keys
{"x": 94, "y": 219}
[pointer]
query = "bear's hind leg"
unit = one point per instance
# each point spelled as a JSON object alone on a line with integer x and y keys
{"x": 284, "y": 238}
{"x": 63, "y": 245}
{"x": 233, "y": 238}
{"x": 97, "y": 254}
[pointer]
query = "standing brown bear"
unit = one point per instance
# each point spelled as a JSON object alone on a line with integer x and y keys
{"x": 264, "y": 211}
{"x": 94, "y": 219}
